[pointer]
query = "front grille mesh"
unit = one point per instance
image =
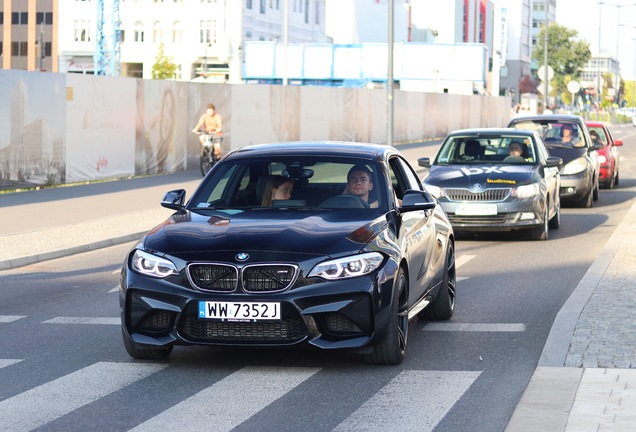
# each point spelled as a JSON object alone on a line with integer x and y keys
{"x": 485, "y": 195}
{"x": 290, "y": 329}
{"x": 213, "y": 277}
{"x": 268, "y": 278}
{"x": 255, "y": 278}
{"x": 476, "y": 220}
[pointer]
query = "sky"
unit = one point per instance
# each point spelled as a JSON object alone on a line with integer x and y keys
{"x": 583, "y": 16}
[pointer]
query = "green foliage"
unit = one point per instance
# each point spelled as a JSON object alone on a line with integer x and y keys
{"x": 163, "y": 68}
{"x": 566, "y": 54}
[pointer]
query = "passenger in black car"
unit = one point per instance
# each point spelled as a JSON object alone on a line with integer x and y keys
{"x": 277, "y": 188}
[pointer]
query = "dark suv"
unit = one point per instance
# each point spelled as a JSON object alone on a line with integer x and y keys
{"x": 567, "y": 137}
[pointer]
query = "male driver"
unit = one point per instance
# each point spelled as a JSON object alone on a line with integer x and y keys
{"x": 212, "y": 123}
{"x": 359, "y": 183}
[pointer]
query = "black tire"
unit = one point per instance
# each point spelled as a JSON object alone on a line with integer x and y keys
{"x": 443, "y": 305}
{"x": 391, "y": 349}
{"x": 616, "y": 180}
{"x": 595, "y": 194}
{"x": 147, "y": 353}
{"x": 555, "y": 220}
{"x": 205, "y": 162}
{"x": 586, "y": 201}
{"x": 541, "y": 232}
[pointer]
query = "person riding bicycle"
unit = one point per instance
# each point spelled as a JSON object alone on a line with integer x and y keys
{"x": 212, "y": 123}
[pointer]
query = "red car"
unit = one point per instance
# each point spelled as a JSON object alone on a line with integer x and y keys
{"x": 609, "y": 156}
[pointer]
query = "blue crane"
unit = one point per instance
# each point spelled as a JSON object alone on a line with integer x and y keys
{"x": 108, "y": 42}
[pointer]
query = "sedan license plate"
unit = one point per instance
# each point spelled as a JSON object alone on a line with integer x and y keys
{"x": 239, "y": 311}
{"x": 475, "y": 209}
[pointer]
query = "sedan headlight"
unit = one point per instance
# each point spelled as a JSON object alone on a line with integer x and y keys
{"x": 348, "y": 267}
{"x": 436, "y": 191}
{"x": 576, "y": 166}
{"x": 602, "y": 159}
{"x": 526, "y": 191}
{"x": 152, "y": 265}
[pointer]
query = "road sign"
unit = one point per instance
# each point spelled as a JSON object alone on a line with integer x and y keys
{"x": 574, "y": 86}
{"x": 541, "y": 73}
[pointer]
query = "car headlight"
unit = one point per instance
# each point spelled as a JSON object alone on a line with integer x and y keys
{"x": 602, "y": 159}
{"x": 152, "y": 265}
{"x": 436, "y": 191}
{"x": 576, "y": 166}
{"x": 348, "y": 267}
{"x": 526, "y": 191}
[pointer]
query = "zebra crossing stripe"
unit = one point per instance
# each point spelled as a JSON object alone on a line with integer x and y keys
{"x": 10, "y": 318}
{"x": 222, "y": 404}
{"x": 8, "y": 362}
{"x": 84, "y": 320}
{"x": 415, "y": 400}
{"x": 40, "y": 405}
{"x": 476, "y": 327}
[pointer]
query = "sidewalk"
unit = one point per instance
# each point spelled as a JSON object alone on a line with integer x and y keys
{"x": 585, "y": 379}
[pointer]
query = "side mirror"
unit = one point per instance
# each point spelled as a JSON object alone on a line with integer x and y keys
{"x": 618, "y": 143}
{"x": 417, "y": 200}
{"x": 174, "y": 200}
{"x": 553, "y": 161}
{"x": 424, "y": 162}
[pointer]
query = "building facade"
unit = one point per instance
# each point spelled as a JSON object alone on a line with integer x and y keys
{"x": 28, "y": 31}
{"x": 203, "y": 38}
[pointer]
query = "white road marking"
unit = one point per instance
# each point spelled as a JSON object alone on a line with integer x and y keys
{"x": 222, "y": 406}
{"x": 463, "y": 259}
{"x": 8, "y": 362}
{"x": 40, "y": 405}
{"x": 438, "y": 326}
{"x": 10, "y": 318}
{"x": 83, "y": 320}
{"x": 393, "y": 408}
{"x": 114, "y": 289}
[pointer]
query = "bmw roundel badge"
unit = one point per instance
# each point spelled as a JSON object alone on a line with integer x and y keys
{"x": 242, "y": 257}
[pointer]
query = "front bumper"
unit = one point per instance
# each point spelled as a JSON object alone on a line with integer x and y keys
{"x": 512, "y": 214}
{"x": 351, "y": 313}
{"x": 575, "y": 187}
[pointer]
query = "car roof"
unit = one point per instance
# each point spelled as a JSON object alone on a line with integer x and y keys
{"x": 548, "y": 118}
{"x": 492, "y": 131}
{"x": 350, "y": 149}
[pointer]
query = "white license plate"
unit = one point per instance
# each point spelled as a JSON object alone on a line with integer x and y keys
{"x": 239, "y": 311}
{"x": 475, "y": 209}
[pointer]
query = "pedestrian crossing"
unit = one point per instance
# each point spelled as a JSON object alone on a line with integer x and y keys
{"x": 398, "y": 405}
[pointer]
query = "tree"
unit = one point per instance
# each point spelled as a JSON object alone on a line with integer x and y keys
{"x": 163, "y": 68}
{"x": 566, "y": 54}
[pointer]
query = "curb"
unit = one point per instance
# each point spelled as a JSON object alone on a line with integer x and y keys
{"x": 32, "y": 259}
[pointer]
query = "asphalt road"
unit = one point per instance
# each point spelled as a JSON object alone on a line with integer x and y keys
{"x": 61, "y": 353}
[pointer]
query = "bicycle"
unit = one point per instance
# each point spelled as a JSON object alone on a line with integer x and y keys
{"x": 208, "y": 158}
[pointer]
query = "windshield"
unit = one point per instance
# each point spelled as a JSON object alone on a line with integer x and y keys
{"x": 305, "y": 182}
{"x": 556, "y": 133}
{"x": 479, "y": 150}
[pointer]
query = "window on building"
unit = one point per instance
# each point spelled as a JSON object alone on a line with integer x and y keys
{"x": 248, "y": 4}
{"x": 24, "y": 18}
{"x": 207, "y": 32}
{"x": 139, "y": 32}
{"x": 263, "y": 7}
{"x": 248, "y": 35}
{"x": 15, "y": 49}
{"x": 15, "y": 18}
{"x": 122, "y": 34}
{"x": 317, "y": 13}
{"x": 306, "y": 11}
{"x": 177, "y": 32}
{"x": 82, "y": 30}
{"x": 24, "y": 49}
{"x": 157, "y": 32}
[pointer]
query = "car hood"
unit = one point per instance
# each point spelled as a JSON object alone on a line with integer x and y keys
{"x": 567, "y": 154}
{"x": 190, "y": 234}
{"x": 481, "y": 176}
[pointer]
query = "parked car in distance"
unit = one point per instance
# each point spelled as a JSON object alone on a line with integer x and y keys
{"x": 567, "y": 137}
{"x": 609, "y": 157}
{"x": 240, "y": 265}
{"x": 483, "y": 185}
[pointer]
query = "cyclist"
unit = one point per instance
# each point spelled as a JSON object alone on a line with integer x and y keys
{"x": 212, "y": 124}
